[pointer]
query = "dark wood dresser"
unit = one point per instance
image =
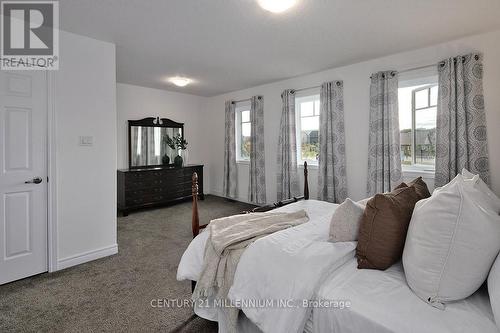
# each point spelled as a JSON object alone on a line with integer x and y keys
{"x": 149, "y": 187}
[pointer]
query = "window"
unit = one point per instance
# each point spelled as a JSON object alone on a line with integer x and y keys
{"x": 417, "y": 123}
{"x": 243, "y": 133}
{"x": 307, "y": 110}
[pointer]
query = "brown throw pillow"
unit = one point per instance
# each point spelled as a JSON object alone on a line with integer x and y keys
{"x": 420, "y": 187}
{"x": 402, "y": 185}
{"x": 383, "y": 229}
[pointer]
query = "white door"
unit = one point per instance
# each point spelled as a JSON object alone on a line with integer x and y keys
{"x": 23, "y": 174}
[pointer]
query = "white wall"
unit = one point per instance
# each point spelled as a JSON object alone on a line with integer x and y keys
{"x": 356, "y": 101}
{"x": 135, "y": 102}
{"x": 85, "y": 105}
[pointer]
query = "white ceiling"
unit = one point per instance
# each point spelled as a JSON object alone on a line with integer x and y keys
{"x": 227, "y": 45}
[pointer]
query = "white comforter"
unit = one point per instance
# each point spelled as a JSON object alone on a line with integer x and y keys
{"x": 286, "y": 266}
{"x": 382, "y": 302}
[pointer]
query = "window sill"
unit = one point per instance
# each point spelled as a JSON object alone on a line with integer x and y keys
{"x": 244, "y": 162}
{"x": 417, "y": 172}
{"x": 309, "y": 165}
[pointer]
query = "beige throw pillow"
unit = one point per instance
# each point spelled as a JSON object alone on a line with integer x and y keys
{"x": 345, "y": 222}
{"x": 364, "y": 202}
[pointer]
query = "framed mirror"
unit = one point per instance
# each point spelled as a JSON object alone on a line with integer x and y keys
{"x": 147, "y": 142}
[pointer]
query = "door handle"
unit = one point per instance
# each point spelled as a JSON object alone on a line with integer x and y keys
{"x": 36, "y": 180}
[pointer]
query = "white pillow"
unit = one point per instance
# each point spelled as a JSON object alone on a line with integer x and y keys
{"x": 344, "y": 226}
{"x": 489, "y": 197}
{"x": 451, "y": 243}
{"x": 494, "y": 289}
{"x": 364, "y": 202}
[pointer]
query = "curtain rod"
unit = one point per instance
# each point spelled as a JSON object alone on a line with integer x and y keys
{"x": 307, "y": 88}
{"x": 393, "y": 73}
{"x": 416, "y": 68}
{"x": 245, "y": 100}
{"x": 339, "y": 83}
{"x": 441, "y": 63}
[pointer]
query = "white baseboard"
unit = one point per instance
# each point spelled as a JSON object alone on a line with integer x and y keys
{"x": 87, "y": 256}
{"x": 220, "y": 194}
{"x": 215, "y": 192}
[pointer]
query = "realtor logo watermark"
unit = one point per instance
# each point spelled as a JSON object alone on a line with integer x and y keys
{"x": 30, "y": 35}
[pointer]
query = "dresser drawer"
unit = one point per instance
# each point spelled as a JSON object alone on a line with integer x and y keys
{"x": 139, "y": 193}
{"x": 189, "y": 171}
{"x": 146, "y": 200}
{"x": 145, "y": 184}
{"x": 145, "y": 188}
{"x": 156, "y": 198}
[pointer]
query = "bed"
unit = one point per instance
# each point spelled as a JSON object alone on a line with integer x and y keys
{"x": 303, "y": 253}
{"x": 382, "y": 302}
{"x": 300, "y": 263}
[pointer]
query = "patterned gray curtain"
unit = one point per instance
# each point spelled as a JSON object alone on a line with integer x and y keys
{"x": 257, "y": 184}
{"x": 288, "y": 181}
{"x": 461, "y": 125}
{"x": 384, "y": 160}
{"x": 163, "y": 145}
{"x": 143, "y": 158}
{"x": 332, "y": 180}
{"x": 152, "y": 159}
{"x": 135, "y": 154}
{"x": 230, "y": 173}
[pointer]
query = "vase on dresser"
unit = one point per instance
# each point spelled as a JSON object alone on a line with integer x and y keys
{"x": 165, "y": 160}
{"x": 178, "y": 162}
{"x": 185, "y": 156}
{"x": 182, "y": 158}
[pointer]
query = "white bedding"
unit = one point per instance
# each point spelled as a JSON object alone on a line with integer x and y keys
{"x": 191, "y": 263}
{"x": 287, "y": 265}
{"x": 382, "y": 302}
{"x": 299, "y": 263}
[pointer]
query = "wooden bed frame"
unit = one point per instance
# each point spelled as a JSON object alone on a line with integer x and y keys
{"x": 195, "y": 223}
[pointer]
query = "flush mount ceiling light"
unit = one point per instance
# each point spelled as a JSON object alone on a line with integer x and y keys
{"x": 180, "y": 81}
{"x": 276, "y": 6}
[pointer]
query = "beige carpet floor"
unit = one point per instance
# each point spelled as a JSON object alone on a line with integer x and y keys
{"x": 114, "y": 294}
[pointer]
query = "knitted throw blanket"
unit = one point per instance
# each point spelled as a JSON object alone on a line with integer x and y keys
{"x": 228, "y": 238}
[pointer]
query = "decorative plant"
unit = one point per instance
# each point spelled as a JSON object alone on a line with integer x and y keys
{"x": 176, "y": 143}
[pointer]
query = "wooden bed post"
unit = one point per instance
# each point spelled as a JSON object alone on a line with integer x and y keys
{"x": 195, "y": 222}
{"x": 306, "y": 183}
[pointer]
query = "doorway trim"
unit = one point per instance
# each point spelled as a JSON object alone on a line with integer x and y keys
{"x": 52, "y": 236}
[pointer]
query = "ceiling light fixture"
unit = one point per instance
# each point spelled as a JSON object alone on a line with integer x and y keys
{"x": 180, "y": 81}
{"x": 276, "y": 6}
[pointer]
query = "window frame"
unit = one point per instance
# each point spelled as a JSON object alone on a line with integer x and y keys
{"x": 312, "y": 96}
{"x": 414, "y": 110}
{"x": 427, "y": 79}
{"x": 238, "y": 131}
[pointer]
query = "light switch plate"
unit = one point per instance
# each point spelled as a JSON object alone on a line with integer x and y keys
{"x": 86, "y": 140}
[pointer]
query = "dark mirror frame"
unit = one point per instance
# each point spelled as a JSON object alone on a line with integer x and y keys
{"x": 149, "y": 122}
